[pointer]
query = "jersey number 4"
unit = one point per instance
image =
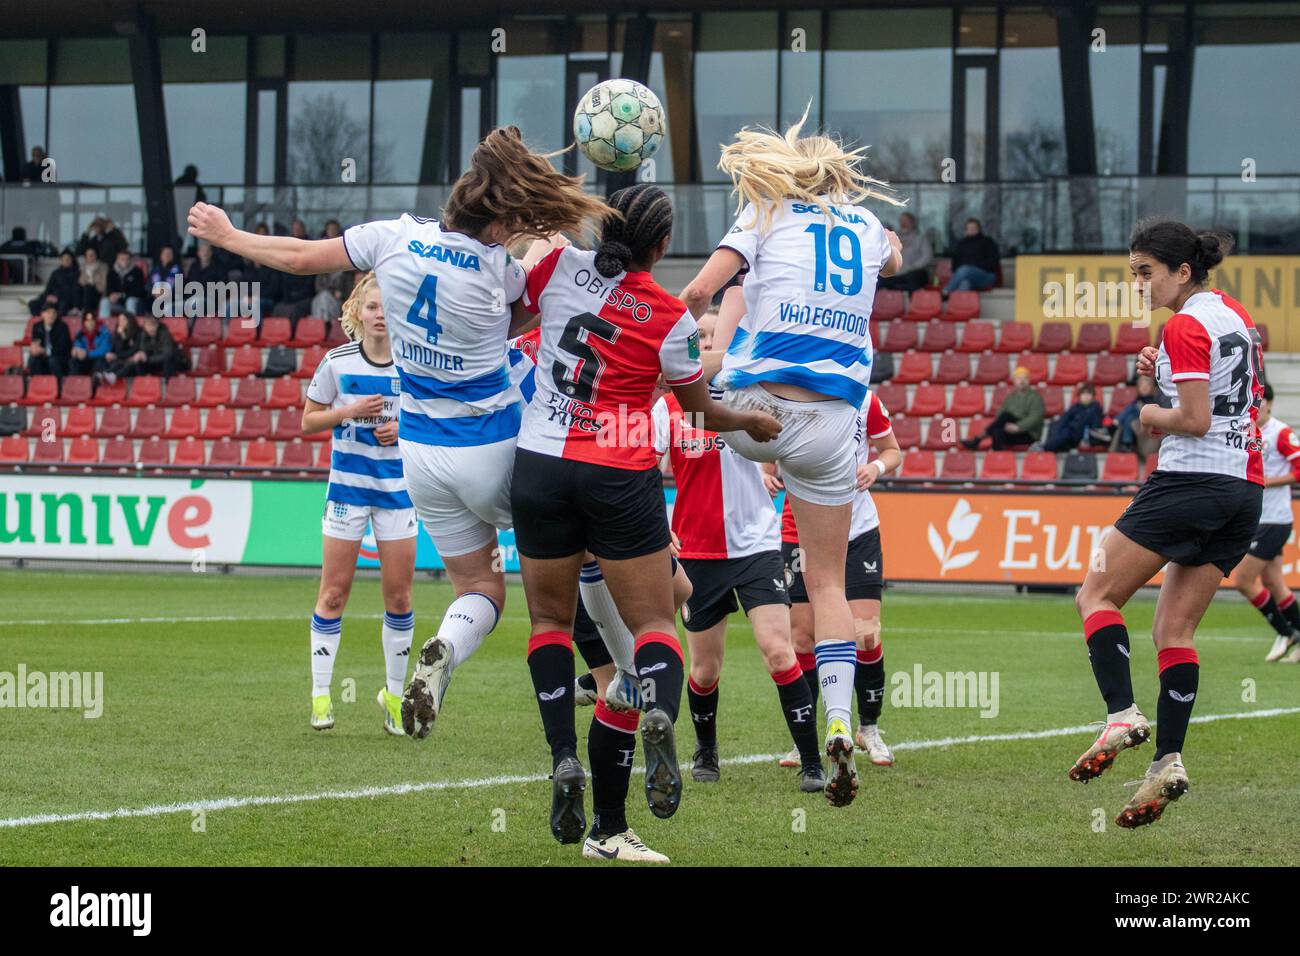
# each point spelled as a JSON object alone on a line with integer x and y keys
{"x": 423, "y": 313}
{"x": 583, "y": 379}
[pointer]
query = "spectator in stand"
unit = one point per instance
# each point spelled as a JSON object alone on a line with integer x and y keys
{"x": 111, "y": 242}
{"x": 190, "y": 177}
{"x": 61, "y": 288}
{"x": 1020, "y": 419}
{"x": 125, "y": 287}
{"x": 917, "y": 257}
{"x": 51, "y": 346}
{"x": 298, "y": 229}
{"x": 975, "y": 261}
{"x": 91, "y": 238}
{"x": 260, "y": 291}
{"x": 1083, "y": 422}
{"x": 333, "y": 229}
{"x": 31, "y": 171}
{"x": 158, "y": 352}
{"x": 1127, "y": 419}
{"x": 91, "y": 347}
{"x": 92, "y": 282}
{"x": 124, "y": 346}
{"x": 164, "y": 274}
{"x": 296, "y": 293}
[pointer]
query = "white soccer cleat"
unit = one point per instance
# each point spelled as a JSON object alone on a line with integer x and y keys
{"x": 322, "y": 712}
{"x": 626, "y": 846}
{"x": 868, "y": 740}
{"x": 1129, "y": 728}
{"x": 584, "y": 696}
{"x": 791, "y": 759}
{"x": 1280, "y": 646}
{"x": 1293, "y": 657}
{"x": 391, "y": 706}
{"x": 624, "y": 693}
{"x": 422, "y": 701}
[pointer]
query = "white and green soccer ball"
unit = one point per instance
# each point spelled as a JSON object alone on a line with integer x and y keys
{"x": 618, "y": 125}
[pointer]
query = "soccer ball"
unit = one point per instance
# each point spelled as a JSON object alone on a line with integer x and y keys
{"x": 618, "y": 125}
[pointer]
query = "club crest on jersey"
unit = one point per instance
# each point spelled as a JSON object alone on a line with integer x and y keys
{"x": 455, "y": 257}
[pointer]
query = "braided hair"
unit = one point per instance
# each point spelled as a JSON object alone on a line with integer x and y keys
{"x": 645, "y": 219}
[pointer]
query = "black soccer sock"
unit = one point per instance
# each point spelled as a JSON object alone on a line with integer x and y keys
{"x": 1290, "y": 609}
{"x": 550, "y": 661}
{"x": 869, "y": 682}
{"x": 1107, "y": 639}
{"x": 704, "y": 712}
{"x": 1180, "y": 674}
{"x": 1265, "y": 605}
{"x": 808, "y": 664}
{"x": 658, "y": 660}
{"x": 611, "y": 744}
{"x": 800, "y": 712}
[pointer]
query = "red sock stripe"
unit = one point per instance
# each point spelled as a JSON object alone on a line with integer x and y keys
{"x": 1286, "y": 602}
{"x": 789, "y": 676}
{"x": 1170, "y": 656}
{"x": 1095, "y": 621}
{"x": 807, "y": 662}
{"x": 871, "y": 656}
{"x": 659, "y": 637}
{"x": 563, "y": 638}
{"x": 702, "y": 691}
{"x": 625, "y": 722}
{"x": 1260, "y": 599}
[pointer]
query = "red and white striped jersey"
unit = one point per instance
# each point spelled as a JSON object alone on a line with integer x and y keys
{"x": 604, "y": 344}
{"x": 873, "y": 424}
{"x": 723, "y": 509}
{"x": 1281, "y": 457}
{"x": 1214, "y": 339}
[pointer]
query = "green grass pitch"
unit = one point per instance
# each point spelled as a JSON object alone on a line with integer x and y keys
{"x": 206, "y": 697}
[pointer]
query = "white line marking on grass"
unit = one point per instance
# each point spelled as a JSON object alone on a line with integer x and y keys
{"x": 400, "y": 789}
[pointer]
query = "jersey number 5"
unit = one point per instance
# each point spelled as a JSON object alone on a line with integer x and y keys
{"x": 583, "y": 379}
{"x": 423, "y": 313}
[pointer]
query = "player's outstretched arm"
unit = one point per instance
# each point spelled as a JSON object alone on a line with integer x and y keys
{"x": 717, "y": 272}
{"x": 302, "y": 257}
{"x": 695, "y": 400}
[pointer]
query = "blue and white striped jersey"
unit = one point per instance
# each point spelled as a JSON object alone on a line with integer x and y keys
{"x": 362, "y": 471}
{"x": 808, "y": 297}
{"x": 447, "y": 301}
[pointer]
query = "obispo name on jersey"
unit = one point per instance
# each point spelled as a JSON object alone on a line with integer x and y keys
{"x": 456, "y": 257}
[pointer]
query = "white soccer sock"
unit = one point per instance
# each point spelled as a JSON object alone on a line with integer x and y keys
{"x": 836, "y": 663}
{"x": 469, "y": 619}
{"x": 326, "y": 633}
{"x": 397, "y": 633}
{"x": 604, "y": 614}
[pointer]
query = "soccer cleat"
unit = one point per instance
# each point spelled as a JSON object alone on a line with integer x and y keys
{"x": 1123, "y": 730}
{"x": 423, "y": 698}
{"x": 584, "y": 690}
{"x": 704, "y": 767}
{"x": 1280, "y": 646}
{"x": 322, "y": 712}
{"x": 624, "y": 693}
{"x": 568, "y": 784}
{"x": 391, "y": 705}
{"x": 1293, "y": 657}
{"x": 789, "y": 760}
{"x": 663, "y": 778}
{"x": 625, "y": 846}
{"x": 1165, "y": 782}
{"x": 868, "y": 739}
{"x": 812, "y": 779}
{"x": 842, "y": 786}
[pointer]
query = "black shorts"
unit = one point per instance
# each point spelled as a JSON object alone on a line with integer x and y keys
{"x": 1192, "y": 518}
{"x": 864, "y": 569}
{"x": 717, "y": 583}
{"x": 562, "y": 507}
{"x": 1269, "y": 541}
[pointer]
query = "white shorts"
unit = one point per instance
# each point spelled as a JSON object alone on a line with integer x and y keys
{"x": 461, "y": 494}
{"x": 348, "y": 522}
{"x": 816, "y": 449}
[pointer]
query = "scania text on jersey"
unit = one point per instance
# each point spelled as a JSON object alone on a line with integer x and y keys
{"x": 620, "y": 299}
{"x": 801, "y": 208}
{"x": 455, "y": 257}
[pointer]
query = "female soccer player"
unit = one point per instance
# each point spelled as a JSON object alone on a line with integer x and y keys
{"x": 586, "y": 479}
{"x": 1197, "y": 512}
{"x": 864, "y": 579}
{"x": 1263, "y": 563}
{"x": 450, "y": 294}
{"x": 803, "y": 354}
{"x": 354, "y": 392}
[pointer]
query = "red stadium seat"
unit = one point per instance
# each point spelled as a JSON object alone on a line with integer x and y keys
{"x": 48, "y": 419}
{"x": 147, "y": 390}
{"x": 999, "y": 466}
{"x": 1120, "y": 398}
{"x": 888, "y": 305}
{"x": 1130, "y": 339}
{"x": 83, "y": 451}
{"x": 990, "y": 369}
{"x": 297, "y": 454}
{"x": 247, "y": 360}
{"x": 215, "y": 391}
{"x": 260, "y": 454}
{"x": 941, "y": 434}
{"x": 256, "y": 423}
{"x": 892, "y": 396}
{"x": 311, "y": 357}
{"x": 27, "y": 331}
{"x": 1038, "y": 466}
{"x": 1016, "y": 337}
{"x": 1054, "y": 337}
{"x": 976, "y": 427}
{"x": 288, "y": 425}
{"x": 189, "y": 453}
{"x": 11, "y": 357}
{"x": 179, "y": 327}
{"x": 1035, "y": 363}
{"x": 285, "y": 393}
{"x": 180, "y": 391}
{"x": 41, "y": 390}
{"x": 978, "y": 336}
{"x": 939, "y": 337}
{"x": 239, "y": 331}
{"x": 1120, "y": 466}
{"x": 310, "y": 333}
{"x": 106, "y": 395}
{"x": 14, "y": 449}
{"x": 325, "y": 455}
{"x": 913, "y": 369}
{"x": 954, "y": 368}
{"x": 924, "y": 305}
{"x": 1093, "y": 337}
{"x": 958, "y": 463}
{"x": 47, "y": 452}
{"x": 874, "y": 332}
{"x": 927, "y": 400}
{"x": 155, "y": 452}
{"x": 918, "y": 464}
{"x": 1071, "y": 369}
{"x": 118, "y": 451}
{"x": 220, "y": 423}
{"x": 275, "y": 331}
{"x": 206, "y": 331}
{"x": 77, "y": 390}
{"x": 907, "y": 431}
{"x": 1152, "y": 463}
{"x": 249, "y": 392}
{"x": 114, "y": 421}
{"x": 211, "y": 361}
{"x": 150, "y": 422}
{"x": 899, "y": 337}
{"x": 942, "y": 272}
{"x": 963, "y": 305}
{"x": 336, "y": 336}
{"x": 1110, "y": 369}
{"x": 11, "y": 389}
{"x": 184, "y": 423}
{"x": 1053, "y": 400}
{"x": 967, "y": 400}
{"x": 224, "y": 453}
{"x": 80, "y": 421}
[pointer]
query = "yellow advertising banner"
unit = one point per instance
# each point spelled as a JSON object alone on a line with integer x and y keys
{"x": 1078, "y": 289}
{"x": 1004, "y": 538}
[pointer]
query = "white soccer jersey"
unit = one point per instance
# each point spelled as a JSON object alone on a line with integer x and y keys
{"x": 808, "y": 297}
{"x": 1281, "y": 457}
{"x": 447, "y": 301}
{"x": 722, "y": 509}
{"x": 1214, "y": 339}
{"x": 362, "y": 471}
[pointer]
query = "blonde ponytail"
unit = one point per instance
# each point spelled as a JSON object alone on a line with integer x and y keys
{"x": 351, "y": 317}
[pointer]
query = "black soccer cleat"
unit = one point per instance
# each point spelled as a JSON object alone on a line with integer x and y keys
{"x": 704, "y": 766}
{"x": 568, "y": 784}
{"x": 812, "y": 778}
{"x": 663, "y": 778}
